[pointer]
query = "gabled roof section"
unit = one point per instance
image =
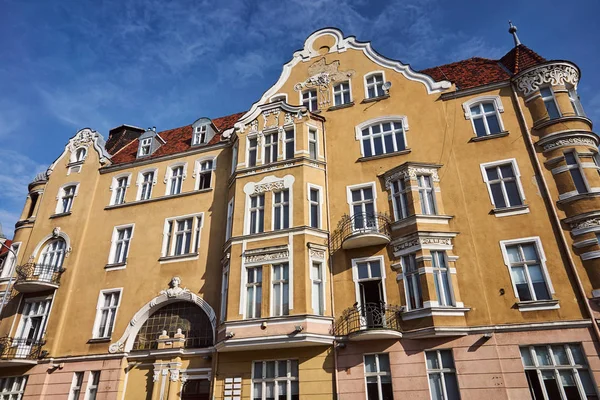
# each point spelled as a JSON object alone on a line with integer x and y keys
{"x": 176, "y": 140}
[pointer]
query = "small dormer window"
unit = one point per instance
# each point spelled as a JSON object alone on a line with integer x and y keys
{"x": 200, "y": 135}
{"x": 145, "y": 147}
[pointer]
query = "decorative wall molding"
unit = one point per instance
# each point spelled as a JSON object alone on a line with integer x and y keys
{"x": 269, "y": 183}
{"x": 482, "y": 99}
{"x": 408, "y": 172}
{"x": 547, "y": 74}
{"x": 266, "y": 254}
{"x": 572, "y": 141}
{"x": 321, "y": 76}
{"x": 424, "y": 240}
{"x": 84, "y": 138}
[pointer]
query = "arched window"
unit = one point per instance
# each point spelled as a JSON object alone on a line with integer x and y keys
{"x": 484, "y": 113}
{"x": 80, "y": 154}
{"x": 188, "y": 317}
{"x": 51, "y": 259}
{"x": 382, "y": 138}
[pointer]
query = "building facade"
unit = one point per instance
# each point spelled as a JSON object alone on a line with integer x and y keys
{"x": 364, "y": 230}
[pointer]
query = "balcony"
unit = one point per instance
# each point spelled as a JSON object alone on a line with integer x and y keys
{"x": 19, "y": 351}
{"x": 33, "y": 277}
{"x": 361, "y": 230}
{"x": 370, "y": 321}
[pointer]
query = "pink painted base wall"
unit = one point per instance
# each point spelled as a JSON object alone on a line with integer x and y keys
{"x": 487, "y": 368}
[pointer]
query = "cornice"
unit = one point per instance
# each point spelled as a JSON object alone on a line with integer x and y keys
{"x": 550, "y": 73}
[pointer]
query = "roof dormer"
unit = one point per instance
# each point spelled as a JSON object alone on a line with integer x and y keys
{"x": 203, "y": 131}
{"x": 149, "y": 142}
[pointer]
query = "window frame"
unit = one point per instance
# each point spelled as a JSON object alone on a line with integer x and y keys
{"x": 437, "y": 275}
{"x": 378, "y": 374}
{"x": 170, "y": 178}
{"x": 270, "y": 148}
{"x": 199, "y": 172}
{"x": 342, "y": 92}
{"x": 311, "y": 141}
{"x": 169, "y": 235}
{"x": 546, "y": 99}
{"x": 441, "y": 371}
{"x": 91, "y": 390}
{"x": 62, "y": 194}
{"x": 366, "y": 84}
{"x": 140, "y": 182}
{"x": 76, "y": 385}
{"x": 99, "y": 308}
{"x": 480, "y": 100}
{"x": 200, "y": 131}
{"x": 517, "y": 177}
{"x": 114, "y": 187}
{"x": 76, "y": 153}
{"x": 19, "y": 381}
{"x": 276, "y": 379}
{"x": 368, "y": 124}
{"x": 536, "y": 240}
{"x": 357, "y": 280}
{"x": 249, "y": 150}
{"x": 426, "y": 208}
{"x": 24, "y": 318}
{"x": 286, "y": 141}
{"x": 279, "y": 208}
{"x": 282, "y": 282}
{"x": 258, "y": 208}
{"x": 402, "y": 196}
{"x": 310, "y": 99}
{"x": 577, "y": 166}
{"x": 320, "y": 282}
{"x": 319, "y": 205}
{"x": 230, "y": 212}
{"x": 351, "y": 203}
{"x": 112, "y": 257}
{"x": 256, "y": 284}
{"x": 415, "y": 277}
{"x": 224, "y": 292}
{"x": 10, "y": 259}
{"x": 145, "y": 143}
{"x": 576, "y": 101}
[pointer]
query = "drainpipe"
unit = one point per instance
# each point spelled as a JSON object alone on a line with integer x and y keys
{"x": 555, "y": 219}
{"x": 335, "y": 360}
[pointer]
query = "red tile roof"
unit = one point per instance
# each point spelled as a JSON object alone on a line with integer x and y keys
{"x": 479, "y": 71}
{"x": 4, "y": 249}
{"x": 177, "y": 140}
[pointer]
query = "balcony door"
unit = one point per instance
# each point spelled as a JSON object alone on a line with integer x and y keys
{"x": 363, "y": 208}
{"x": 50, "y": 261}
{"x": 371, "y": 301}
{"x": 32, "y": 326}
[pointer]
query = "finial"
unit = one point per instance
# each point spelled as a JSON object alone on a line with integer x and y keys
{"x": 513, "y": 31}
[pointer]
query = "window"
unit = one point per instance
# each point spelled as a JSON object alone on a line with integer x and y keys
{"x": 281, "y": 209}
{"x": 10, "y": 260}
{"x": 32, "y": 326}
{"x": 383, "y": 138}
{"x": 281, "y": 290}
{"x": 224, "y": 293}
{"x": 318, "y": 289}
{"x": 51, "y": 260}
{"x": 76, "y": 384}
{"x": 275, "y": 380}
{"x": 234, "y": 158}
{"x": 279, "y": 97}
{"x": 199, "y": 135}
{"x": 378, "y": 377}
{"x": 252, "y": 148}
{"x": 205, "y": 174}
{"x": 309, "y": 100}
{"x": 289, "y": 145}
{"x": 120, "y": 189}
{"x": 176, "y": 179}
{"x": 146, "y": 186}
{"x": 426, "y": 195}
{"x": 374, "y": 86}
{"x": 526, "y": 271}
{"x": 503, "y": 184}
{"x": 312, "y": 144}
{"x": 229, "y": 228}
{"x": 550, "y": 102}
{"x": 257, "y": 213}
{"x": 271, "y": 147}
{"x": 253, "y": 292}
{"x": 34, "y": 196}
{"x": 341, "y": 94}
{"x": 412, "y": 282}
{"x": 574, "y": 166}
{"x": 182, "y": 236}
{"x": 576, "y": 103}
{"x": 108, "y": 303}
{"x": 558, "y": 372}
{"x": 68, "y": 194}
{"x": 485, "y": 119}
{"x": 92, "y": 386}
{"x": 120, "y": 245}
{"x": 145, "y": 147}
{"x": 314, "y": 203}
{"x": 80, "y": 154}
{"x": 441, "y": 279}
{"x": 363, "y": 208}
{"x": 12, "y": 388}
{"x": 442, "y": 375}
{"x": 370, "y": 282}
{"x": 399, "y": 199}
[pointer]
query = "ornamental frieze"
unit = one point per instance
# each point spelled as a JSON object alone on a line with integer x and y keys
{"x": 572, "y": 141}
{"x": 422, "y": 242}
{"x": 411, "y": 173}
{"x": 554, "y": 74}
{"x": 321, "y": 75}
{"x": 255, "y": 258}
{"x": 588, "y": 223}
{"x": 269, "y": 186}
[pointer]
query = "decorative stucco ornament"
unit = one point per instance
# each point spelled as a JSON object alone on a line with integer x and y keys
{"x": 174, "y": 289}
{"x": 269, "y": 186}
{"x": 553, "y": 74}
{"x": 573, "y": 141}
{"x": 321, "y": 75}
{"x": 588, "y": 223}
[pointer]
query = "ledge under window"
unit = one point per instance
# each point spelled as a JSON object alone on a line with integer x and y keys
{"x": 372, "y": 99}
{"x": 378, "y": 156}
{"x": 99, "y": 340}
{"x": 486, "y": 137}
{"x": 434, "y": 311}
{"x": 565, "y": 118}
{"x": 60, "y": 215}
{"x": 181, "y": 257}
{"x": 508, "y": 211}
{"x": 537, "y": 305}
{"x": 421, "y": 219}
{"x": 340, "y": 106}
{"x": 109, "y": 267}
{"x": 170, "y": 196}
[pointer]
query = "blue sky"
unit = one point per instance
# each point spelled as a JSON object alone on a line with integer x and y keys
{"x": 65, "y": 65}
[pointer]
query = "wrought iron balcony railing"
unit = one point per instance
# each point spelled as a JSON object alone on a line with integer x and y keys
{"x": 38, "y": 273}
{"x": 362, "y": 229}
{"x": 370, "y": 316}
{"x": 20, "y": 348}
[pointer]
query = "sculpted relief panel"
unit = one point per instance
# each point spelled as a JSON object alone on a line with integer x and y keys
{"x": 321, "y": 77}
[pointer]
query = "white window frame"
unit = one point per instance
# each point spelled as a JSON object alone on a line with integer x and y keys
{"x": 579, "y": 166}
{"x": 428, "y": 207}
{"x": 576, "y": 101}
{"x": 199, "y": 132}
{"x": 17, "y": 388}
{"x": 349, "y": 190}
{"x": 264, "y": 380}
{"x": 366, "y": 85}
{"x": 234, "y": 157}
{"x": 436, "y": 271}
{"x": 257, "y": 157}
{"x": 91, "y": 386}
{"x": 76, "y": 385}
{"x": 279, "y": 208}
{"x": 145, "y": 143}
{"x": 62, "y": 194}
{"x": 378, "y": 373}
{"x": 140, "y": 182}
{"x": 230, "y": 211}
{"x": 319, "y": 205}
{"x": 224, "y": 293}
{"x": 250, "y": 209}
{"x": 402, "y": 195}
{"x": 114, "y": 187}
{"x": 415, "y": 278}
{"x": 498, "y": 108}
{"x": 550, "y": 98}
{"x": 355, "y": 262}
{"x": 341, "y": 92}
{"x": 516, "y": 172}
{"x": 315, "y": 141}
{"x": 540, "y": 250}
{"x": 281, "y": 282}
{"x": 285, "y": 140}
{"x": 76, "y": 157}
{"x": 441, "y": 371}
{"x": 114, "y": 241}
{"x": 270, "y": 148}
{"x": 99, "y": 307}
{"x": 199, "y": 171}
{"x": 24, "y": 318}
{"x": 10, "y": 261}
{"x": 169, "y": 177}
{"x": 321, "y": 284}
{"x": 169, "y": 238}
{"x": 246, "y": 285}
{"x": 310, "y": 98}
{"x": 402, "y": 119}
